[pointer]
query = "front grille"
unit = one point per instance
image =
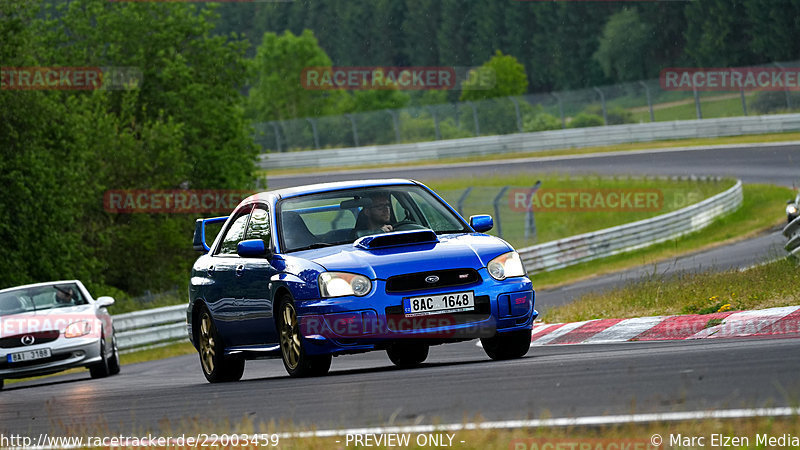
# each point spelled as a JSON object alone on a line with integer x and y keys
{"x": 447, "y": 278}
{"x": 39, "y": 337}
{"x": 397, "y": 321}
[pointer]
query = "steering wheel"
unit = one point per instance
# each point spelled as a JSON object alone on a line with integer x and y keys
{"x": 407, "y": 225}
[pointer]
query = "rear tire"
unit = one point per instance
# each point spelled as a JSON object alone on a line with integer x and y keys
{"x": 217, "y": 367}
{"x": 407, "y": 354}
{"x": 295, "y": 359}
{"x": 510, "y": 345}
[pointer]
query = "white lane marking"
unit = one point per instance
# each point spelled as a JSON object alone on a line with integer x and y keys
{"x": 625, "y": 330}
{"x": 557, "y": 333}
{"x": 770, "y": 261}
{"x": 745, "y": 323}
{"x": 559, "y": 422}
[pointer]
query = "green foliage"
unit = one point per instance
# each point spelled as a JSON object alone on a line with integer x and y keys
{"x": 624, "y": 46}
{"x": 501, "y": 76}
{"x": 541, "y": 122}
{"x": 583, "y": 120}
{"x": 277, "y": 91}
{"x": 616, "y": 115}
{"x": 772, "y": 102}
{"x": 63, "y": 150}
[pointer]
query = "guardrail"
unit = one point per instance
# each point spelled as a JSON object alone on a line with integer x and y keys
{"x": 792, "y": 232}
{"x": 150, "y": 327}
{"x": 161, "y": 326}
{"x": 624, "y": 238}
{"x": 532, "y": 142}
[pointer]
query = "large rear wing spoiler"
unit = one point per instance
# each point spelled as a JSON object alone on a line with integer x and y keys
{"x": 199, "y": 240}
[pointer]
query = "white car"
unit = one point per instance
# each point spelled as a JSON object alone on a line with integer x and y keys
{"x": 54, "y": 326}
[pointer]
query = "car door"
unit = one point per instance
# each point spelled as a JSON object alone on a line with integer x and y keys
{"x": 257, "y": 325}
{"x": 224, "y": 291}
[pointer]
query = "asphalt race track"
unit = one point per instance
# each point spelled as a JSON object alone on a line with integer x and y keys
{"x": 775, "y": 164}
{"x": 458, "y": 382}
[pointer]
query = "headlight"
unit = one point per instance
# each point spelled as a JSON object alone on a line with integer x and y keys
{"x": 340, "y": 284}
{"x": 791, "y": 209}
{"x": 505, "y": 266}
{"x": 78, "y": 329}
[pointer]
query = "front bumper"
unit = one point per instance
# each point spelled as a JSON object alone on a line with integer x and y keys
{"x": 65, "y": 354}
{"x": 357, "y": 324}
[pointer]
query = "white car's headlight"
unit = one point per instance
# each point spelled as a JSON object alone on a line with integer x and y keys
{"x": 340, "y": 284}
{"x": 78, "y": 329}
{"x": 505, "y": 266}
{"x": 791, "y": 209}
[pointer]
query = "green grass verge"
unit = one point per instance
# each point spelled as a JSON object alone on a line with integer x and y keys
{"x": 558, "y": 223}
{"x": 711, "y": 109}
{"x": 764, "y": 286}
{"x": 745, "y": 139}
{"x": 762, "y": 208}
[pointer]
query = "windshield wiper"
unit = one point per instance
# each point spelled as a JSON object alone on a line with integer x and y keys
{"x": 320, "y": 245}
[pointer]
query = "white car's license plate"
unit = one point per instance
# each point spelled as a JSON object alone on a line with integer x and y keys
{"x": 30, "y": 355}
{"x": 439, "y": 304}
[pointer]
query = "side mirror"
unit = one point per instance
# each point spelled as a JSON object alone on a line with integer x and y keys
{"x": 251, "y": 248}
{"x": 482, "y": 223}
{"x": 105, "y": 301}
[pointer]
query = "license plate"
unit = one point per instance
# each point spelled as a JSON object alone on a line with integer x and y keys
{"x": 30, "y": 355}
{"x": 439, "y": 304}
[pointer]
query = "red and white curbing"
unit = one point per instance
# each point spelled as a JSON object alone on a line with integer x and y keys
{"x": 783, "y": 321}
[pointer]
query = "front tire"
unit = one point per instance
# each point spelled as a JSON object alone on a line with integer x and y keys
{"x": 217, "y": 367}
{"x": 295, "y": 359}
{"x": 510, "y": 345}
{"x": 407, "y": 354}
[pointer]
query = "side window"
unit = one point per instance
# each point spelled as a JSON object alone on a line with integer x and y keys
{"x": 259, "y": 225}
{"x": 234, "y": 235}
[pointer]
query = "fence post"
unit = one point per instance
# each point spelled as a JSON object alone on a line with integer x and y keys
{"x": 313, "y": 123}
{"x": 435, "y": 122}
{"x": 560, "y": 110}
{"x": 744, "y": 101}
{"x": 786, "y": 88}
{"x": 396, "y": 124}
{"x": 475, "y": 118}
{"x": 496, "y": 204}
{"x": 530, "y": 220}
{"x": 519, "y": 117}
{"x": 603, "y": 102}
{"x": 277, "y": 135}
{"x": 649, "y": 100}
{"x": 460, "y": 203}
{"x": 355, "y": 130}
{"x": 697, "y": 108}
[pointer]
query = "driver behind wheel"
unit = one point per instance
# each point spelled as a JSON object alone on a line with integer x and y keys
{"x": 378, "y": 215}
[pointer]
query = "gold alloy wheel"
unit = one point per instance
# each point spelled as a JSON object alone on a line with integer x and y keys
{"x": 207, "y": 350}
{"x": 290, "y": 336}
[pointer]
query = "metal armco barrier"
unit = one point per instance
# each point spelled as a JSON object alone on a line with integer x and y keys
{"x": 532, "y": 142}
{"x": 168, "y": 324}
{"x": 150, "y": 327}
{"x": 624, "y": 238}
{"x": 792, "y": 232}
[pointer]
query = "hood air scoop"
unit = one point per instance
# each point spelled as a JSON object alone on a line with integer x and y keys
{"x": 396, "y": 239}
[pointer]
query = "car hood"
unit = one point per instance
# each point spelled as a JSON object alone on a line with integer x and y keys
{"x": 451, "y": 252}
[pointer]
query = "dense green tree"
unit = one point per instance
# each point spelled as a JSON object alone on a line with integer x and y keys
{"x": 624, "y": 46}
{"x": 716, "y": 33}
{"x": 503, "y": 73}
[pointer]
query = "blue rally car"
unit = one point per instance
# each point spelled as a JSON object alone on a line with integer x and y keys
{"x": 316, "y": 271}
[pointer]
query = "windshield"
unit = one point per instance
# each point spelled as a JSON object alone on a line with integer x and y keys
{"x": 40, "y": 298}
{"x": 341, "y": 217}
